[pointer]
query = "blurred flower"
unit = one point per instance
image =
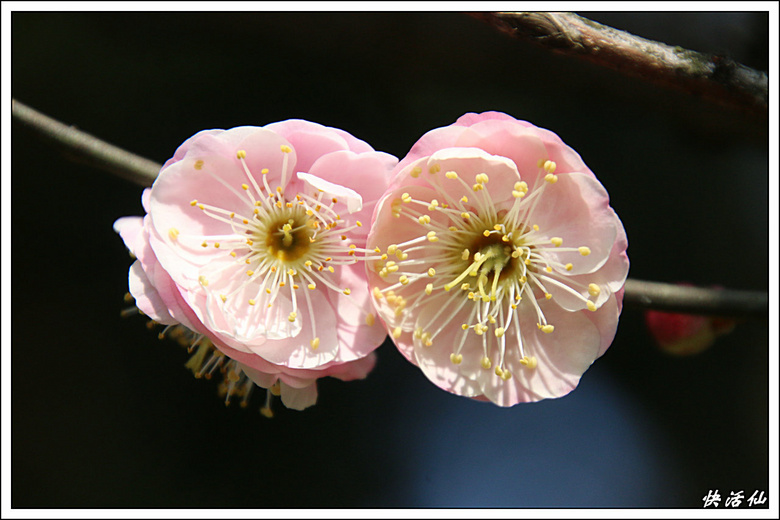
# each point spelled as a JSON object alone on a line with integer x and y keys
{"x": 500, "y": 265}
{"x": 252, "y": 241}
{"x": 685, "y": 334}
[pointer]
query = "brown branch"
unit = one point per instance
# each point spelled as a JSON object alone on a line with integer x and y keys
{"x": 87, "y": 148}
{"x": 648, "y": 295}
{"x": 696, "y": 300}
{"x": 712, "y": 77}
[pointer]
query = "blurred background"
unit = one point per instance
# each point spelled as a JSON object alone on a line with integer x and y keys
{"x": 105, "y": 415}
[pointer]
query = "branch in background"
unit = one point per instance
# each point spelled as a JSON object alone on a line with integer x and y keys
{"x": 696, "y": 300}
{"x": 712, "y": 77}
{"x": 648, "y": 295}
{"x": 86, "y": 148}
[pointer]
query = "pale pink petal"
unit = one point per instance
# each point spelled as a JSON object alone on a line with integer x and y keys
{"x": 147, "y": 299}
{"x": 350, "y": 197}
{"x": 298, "y": 398}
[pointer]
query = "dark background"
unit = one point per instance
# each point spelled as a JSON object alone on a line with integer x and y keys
{"x": 105, "y": 415}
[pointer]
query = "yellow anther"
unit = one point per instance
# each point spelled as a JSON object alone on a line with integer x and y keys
{"x": 433, "y": 205}
{"x": 429, "y": 288}
{"x": 529, "y": 362}
{"x": 431, "y": 272}
{"x": 569, "y": 266}
{"x": 424, "y": 219}
{"x": 486, "y": 363}
{"x": 198, "y": 164}
{"x": 486, "y": 233}
{"x": 406, "y": 197}
{"x": 251, "y": 302}
{"x": 465, "y": 254}
{"x": 434, "y": 169}
{"x": 498, "y": 371}
{"x": 591, "y": 306}
{"x": 204, "y": 244}
{"x": 203, "y": 281}
{"x": 594, "y": 289}
{"x": 358, "y": 223}
{"x": 233, "y": 254}
{"x": 549, "y": 166}
{"x": 432, "y": 236}
{"x": 547, "y": 329}
{"x": 482, "y": 178}
{"x": 250, "y": 273}
{"x": 477, "y": 187}
{"x": 415, "y": 172}
{"x": 465, "y": 286}
{"x": 536, "y": 227}
{"x": 397, "y": 332}
{"x": 556, "y": 241}
{"x": 547, "y": 295}
{"x": 548, "y": 269}
{"x": 465, "y": 326}
{"x": 201, "y": 206}
{"x": 311, "y": 286}
{"x": 521, "y": 186}
{"x": 264, "y": 171}
{"x": 223, "y": 298}
{"x": 193, "y": 202}
{"x": 464, "y": 199}
{"x": 315, "y": 343}
{"x": 506, "y": 375}
{"x": 370, "y": 319}
{"x": 465, "y": 214}
{"x": 285, "y": 148}
{"x": 584, "y": 250}
{"x": 173, "y": 233}
{"x": 517, "y": 194}
{"x": 451, "y": 175}
{"x": 291, "y": 317}
{"x": 403, "y": 279}
{"x": 267, "y": 412}
{"x": 401, "y": 255}
{"x": 552, "y": 179}
{"x": 330, "y": 269}
{"x": 391, "y": 249}
{"x": 245, "y": 186}
{"x": 499, "y": 332}
{"x": 241, "y": 154}
{"x": 456, "y": 358}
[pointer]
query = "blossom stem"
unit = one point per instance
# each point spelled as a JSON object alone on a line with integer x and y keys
{"x": 639, "y": 293}
{"x": 716, "y": 78}
{"x": 87, "y": 148}
{"x": 696, "y": 300}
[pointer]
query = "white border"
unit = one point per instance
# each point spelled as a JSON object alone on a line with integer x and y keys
{"x": 5, "y": 243}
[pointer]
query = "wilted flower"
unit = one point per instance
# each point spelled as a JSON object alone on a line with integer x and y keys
{"x": 501, "y": 265}
{"x": 252, "y": 241}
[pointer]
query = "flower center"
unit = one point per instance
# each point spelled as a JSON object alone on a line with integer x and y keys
{"x": 277, "y": 245}
{"x": 481, "y": 264}
{"x": 288, "y": 239}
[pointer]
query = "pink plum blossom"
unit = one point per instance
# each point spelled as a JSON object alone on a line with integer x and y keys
{"x": 686, "y": 334}
{"x": 252, "y": 240}
{"x": 501, "y": 265}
